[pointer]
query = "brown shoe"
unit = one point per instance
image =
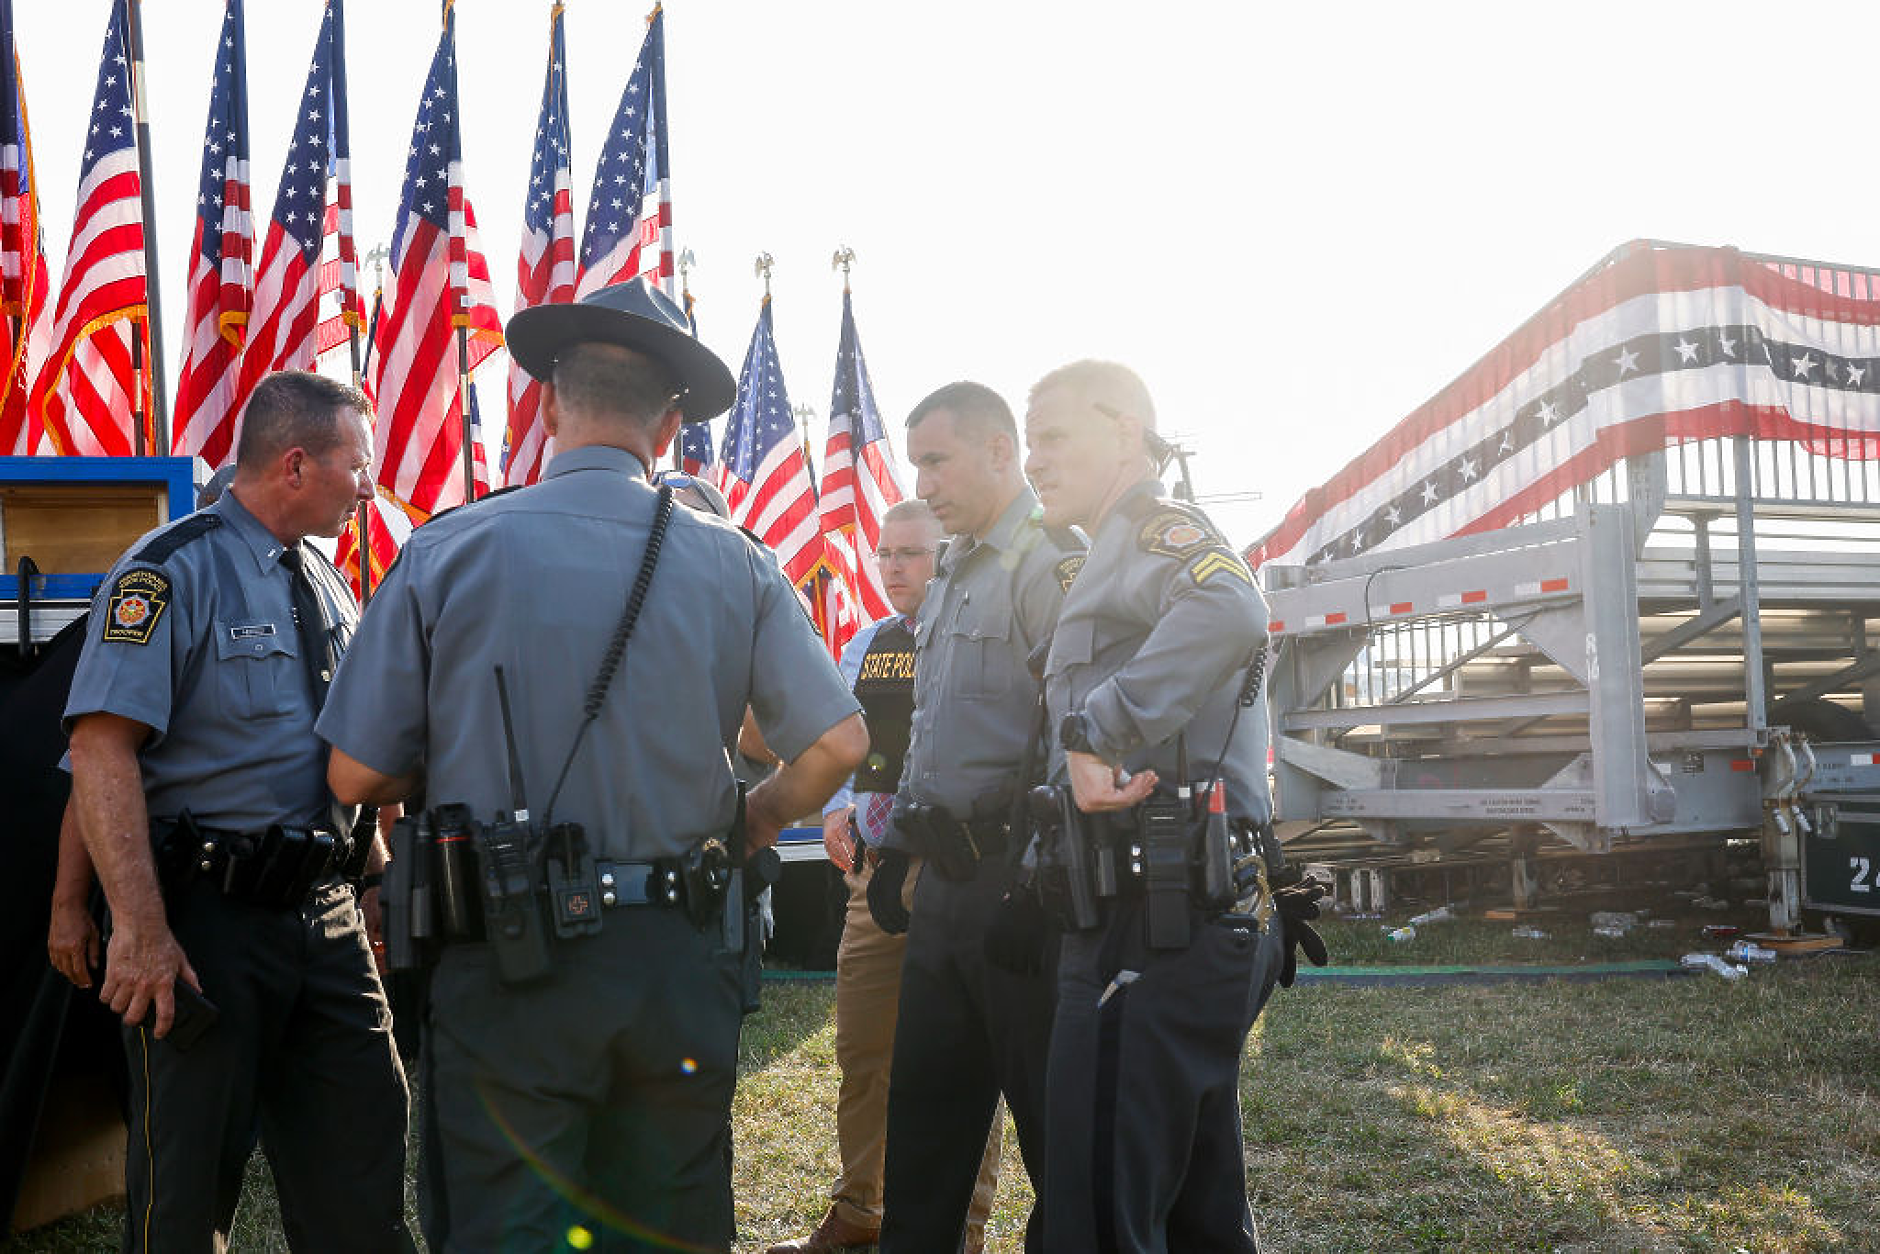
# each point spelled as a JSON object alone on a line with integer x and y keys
{"x": 832, "y": 1234}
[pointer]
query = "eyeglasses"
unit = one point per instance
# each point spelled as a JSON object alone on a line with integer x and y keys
{"x": 902, "y": 555}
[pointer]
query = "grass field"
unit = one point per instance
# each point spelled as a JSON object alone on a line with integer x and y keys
{"x": 1617, "y": 1115}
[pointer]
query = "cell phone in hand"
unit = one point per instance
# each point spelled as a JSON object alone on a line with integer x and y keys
{"x": 194, "y": 1015}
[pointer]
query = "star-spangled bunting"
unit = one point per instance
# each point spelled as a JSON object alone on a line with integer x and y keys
{"x": 221, "y": 292}
{"x": 1661, "y": 345}
{"x": 438, "y": 282}
{"x": 629, "y": 222}
{"x": 87, "y": 392}
{"x": 25, "y": 283}
{"x": 858, "y": 480}
{"x": 545, "y": 270}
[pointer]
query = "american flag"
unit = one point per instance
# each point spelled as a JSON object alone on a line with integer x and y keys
{"x": 84, "y": 394}
{"x": 208, "y": 396}
{"x": 286, "y": 332}
{"x": 1657, "y": 345}
{"x": 387, "y": 524}
{"x": 764, "y": 476}
{"x": 695, "y": 438}
{"x": 858, "y": 480}
{"x": 23, "y": 277}
{"x": 479, "y": 462}
{"x": 438, "y": 283}
{"x": 545, "y": 267}
{"x": 629, "y": 222}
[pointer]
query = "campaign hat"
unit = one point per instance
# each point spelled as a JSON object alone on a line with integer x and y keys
{"x": 635, "y": 315}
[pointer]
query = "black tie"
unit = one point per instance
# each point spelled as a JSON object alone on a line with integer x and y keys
{"x": 310, "y": 622}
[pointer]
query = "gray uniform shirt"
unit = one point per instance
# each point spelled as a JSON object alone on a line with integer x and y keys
{"x": 535, "y": 581}
{"x": 975, "y": 702}
{"x": 201, "y": 647}
{"x": 1154, "y": 640}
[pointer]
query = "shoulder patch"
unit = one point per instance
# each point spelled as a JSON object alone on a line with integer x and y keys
{"x": 1177, "y": 533}
{"x": 1219, "y": 560}
{"x": 193, "y": 527}
{"x": 135, "y": 606}
{"x": 1066, "y": 570}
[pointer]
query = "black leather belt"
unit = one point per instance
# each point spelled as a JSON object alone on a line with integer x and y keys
{"x": 625, "y": 884}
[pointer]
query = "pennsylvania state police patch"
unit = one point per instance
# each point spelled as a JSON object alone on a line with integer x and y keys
{"x": 137, "y": 602}
{"x": 1066, "y": 570}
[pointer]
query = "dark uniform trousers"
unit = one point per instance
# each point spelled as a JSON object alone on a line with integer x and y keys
{"x": 598, "y": 1099}
{"x": 1145, "y": 1152}
{"x": 302, "y": 1052}
{"x": 966, "y": 1032}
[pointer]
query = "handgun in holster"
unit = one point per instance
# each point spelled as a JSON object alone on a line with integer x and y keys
{"x": 1066, "y": 855}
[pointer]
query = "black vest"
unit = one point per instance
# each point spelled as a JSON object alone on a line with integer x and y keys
{"x": 885, "y": 688}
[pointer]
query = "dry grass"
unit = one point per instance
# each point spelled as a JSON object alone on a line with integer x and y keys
{"x": 1684, "y": 1114}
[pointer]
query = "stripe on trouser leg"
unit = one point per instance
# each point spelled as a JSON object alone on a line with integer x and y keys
{"x": 1103, "y": 1152}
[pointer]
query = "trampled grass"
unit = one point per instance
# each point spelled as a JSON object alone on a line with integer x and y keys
{"x": 1617, "y": 1115}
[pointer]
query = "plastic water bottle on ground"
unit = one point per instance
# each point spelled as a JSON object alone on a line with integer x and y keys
{"x": 1439, "y": 915}
{"x": 1728, "y": 970}
{"x": 1749, "y": 951}
{"x": 1529, "y": 932}
{"x": 1398, "y": 935}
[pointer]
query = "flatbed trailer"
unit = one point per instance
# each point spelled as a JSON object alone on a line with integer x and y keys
{"x": 1683, "y": 645}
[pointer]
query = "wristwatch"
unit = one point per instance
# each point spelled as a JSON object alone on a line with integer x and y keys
{"x": 1074, "y": 733}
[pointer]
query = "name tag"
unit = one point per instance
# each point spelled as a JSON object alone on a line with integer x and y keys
{"x": 251, "y": 631}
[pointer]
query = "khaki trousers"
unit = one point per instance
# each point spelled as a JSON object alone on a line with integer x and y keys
{"x": 868, "y": 995}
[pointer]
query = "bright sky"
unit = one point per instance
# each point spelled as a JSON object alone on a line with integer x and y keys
{"x": 1296, "y": 221}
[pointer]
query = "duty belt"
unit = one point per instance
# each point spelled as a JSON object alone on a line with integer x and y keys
{"x": 274, "y": 868}
{"x": 954, "y": 847}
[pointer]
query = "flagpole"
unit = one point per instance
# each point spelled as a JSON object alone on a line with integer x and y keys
{"x": 153, "y": 321}
{"x": 463, "y": 404}
{"x": 686, "y": 262}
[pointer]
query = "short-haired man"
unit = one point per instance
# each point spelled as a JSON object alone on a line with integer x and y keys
{"x": 582, "y": 1089}
{"x": 878, "y": 662}
{"x": 967, "y": 1030}
{"x": 1147, "y": 675}
{"x": 191, "y": 719}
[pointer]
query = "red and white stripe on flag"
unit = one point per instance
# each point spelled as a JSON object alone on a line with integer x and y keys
{"x": 1658, "y": 346}
{"x": 86, "y": 393}
{"x": 24, "y": 285}
{"x": 415, "y": 381}
{"x": 389, "y": 529}
{"x": 545, "y": 263}
{"x": 858, "y": 486}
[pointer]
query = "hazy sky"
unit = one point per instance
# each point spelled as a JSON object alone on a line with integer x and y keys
{"x": 1297, "y": 222}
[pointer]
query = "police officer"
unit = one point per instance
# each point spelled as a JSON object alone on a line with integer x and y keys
{"x": 1145, "y": 676}
{"x": 879, "y": 662}
{"x": 967, "y": 1030}
{"x": 590, "y": 1105}
{"x": 191, "y": 718}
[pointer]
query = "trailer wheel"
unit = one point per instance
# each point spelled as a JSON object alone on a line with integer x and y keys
{"x": 1819, "y": 719}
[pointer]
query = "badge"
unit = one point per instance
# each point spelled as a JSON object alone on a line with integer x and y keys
{"x": 138, "y": 600}
{"x": 1066, "y": 570}
{"x": 1219, "y": 561}
{"x": 1175, "y": 534}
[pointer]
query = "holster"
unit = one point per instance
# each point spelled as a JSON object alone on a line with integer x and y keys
{"x": 953, "y": 848}
{"x": 273, "y": 868}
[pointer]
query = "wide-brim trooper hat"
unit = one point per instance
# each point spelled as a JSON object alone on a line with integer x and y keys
{"x": 634, "y": 315}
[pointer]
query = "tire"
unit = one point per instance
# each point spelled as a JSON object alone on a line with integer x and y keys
{"x": 1819, "y": 720}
